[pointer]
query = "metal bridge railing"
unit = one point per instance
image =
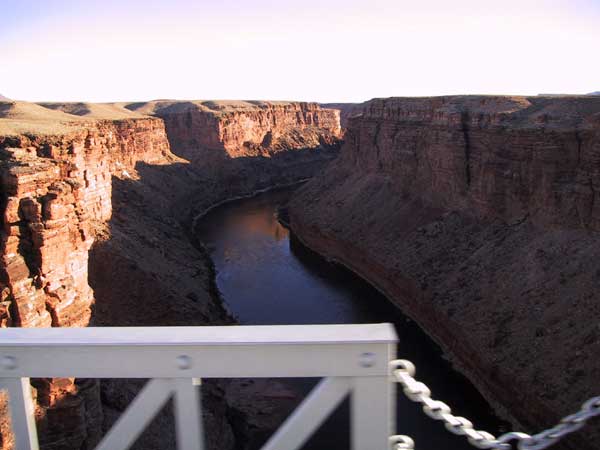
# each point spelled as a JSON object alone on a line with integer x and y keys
{"x": 352, "y": 360}
{"x": 355, "y": 360}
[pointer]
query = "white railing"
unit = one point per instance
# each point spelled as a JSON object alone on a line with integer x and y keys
{"x": 351, "y": 359}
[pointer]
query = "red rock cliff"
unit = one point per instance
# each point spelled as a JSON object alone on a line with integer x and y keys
{"x": 503, "y": 157}
{"x": 201, "y": 131}
{"x": 57, "y": 193}
{"x": 346, "y": 110}
{"x": 479, "y": 216}
{"x": 56, "y": 196}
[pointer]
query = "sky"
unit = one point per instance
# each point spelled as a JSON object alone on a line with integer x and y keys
{"x": 310, "y": 50}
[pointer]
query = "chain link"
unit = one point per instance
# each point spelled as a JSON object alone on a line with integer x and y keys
{"x": 404, "y": 371}
{"x": 401, "y": 442}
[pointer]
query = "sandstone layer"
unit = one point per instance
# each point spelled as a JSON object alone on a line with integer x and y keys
{"x": 479, "y": 217}
{"x": 96, "y": 214}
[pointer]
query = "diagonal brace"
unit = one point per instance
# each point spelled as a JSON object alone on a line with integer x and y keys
{"x": 311, "y": 413}
{"x": 138, "y": 415}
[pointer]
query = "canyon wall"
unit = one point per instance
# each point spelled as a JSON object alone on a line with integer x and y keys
{"x": 236, "y": 148}
{"x": 56, "y": 198}
{"x": 213, "y": 130}
{"x": 346, "y": 111}
{"x": 479, "y": 217}
{"x": 96, "y": 229}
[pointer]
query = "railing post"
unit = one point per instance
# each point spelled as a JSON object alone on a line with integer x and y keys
{"x": 371, "y": 415}
{"x": 373, "y": 405}
{"x": 188, "y": 414}
{"x": 22, "y": 413}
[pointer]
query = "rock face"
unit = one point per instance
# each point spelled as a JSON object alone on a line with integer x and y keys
{"x": 478, "y": 216}
{"x": 56, "y": 197}
{"x": 346, "y": 110}
{"x": 57, "y": 193}
{"x": 213, "y": 131}
{"x": 96, "y": 213}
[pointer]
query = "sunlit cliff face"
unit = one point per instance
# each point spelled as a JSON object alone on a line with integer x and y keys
{"x": 312, "y": 50}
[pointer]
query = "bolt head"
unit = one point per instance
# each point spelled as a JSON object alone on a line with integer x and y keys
{"x": 184, "y": 362}
{"x": 8, "y": 362}
{"x": 367, "y": 359}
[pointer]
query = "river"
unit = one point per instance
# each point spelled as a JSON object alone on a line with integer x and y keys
{"x": 266, "y": 277}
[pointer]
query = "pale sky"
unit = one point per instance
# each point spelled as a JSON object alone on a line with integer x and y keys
{"x": 318, "y": 50}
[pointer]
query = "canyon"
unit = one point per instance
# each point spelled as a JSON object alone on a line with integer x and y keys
{"x": 479, "y": 217}
{"x": 97, "y": 203}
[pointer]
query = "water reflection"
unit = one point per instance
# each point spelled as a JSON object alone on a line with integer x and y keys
{"x": 266, "y": 277}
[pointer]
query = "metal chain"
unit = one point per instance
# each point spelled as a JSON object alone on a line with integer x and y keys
{"x": 416, "y": 391}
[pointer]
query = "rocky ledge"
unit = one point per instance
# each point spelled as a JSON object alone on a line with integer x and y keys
{"x": 479, "y": 217}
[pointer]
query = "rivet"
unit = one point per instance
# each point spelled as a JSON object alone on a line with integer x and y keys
{"x": 367, "y": 359}
{"x": 184, "y": 362}
{"x": 8, "y": 362}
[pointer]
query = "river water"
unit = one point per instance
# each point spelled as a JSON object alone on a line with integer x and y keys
{"x": 266, "y": 278}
